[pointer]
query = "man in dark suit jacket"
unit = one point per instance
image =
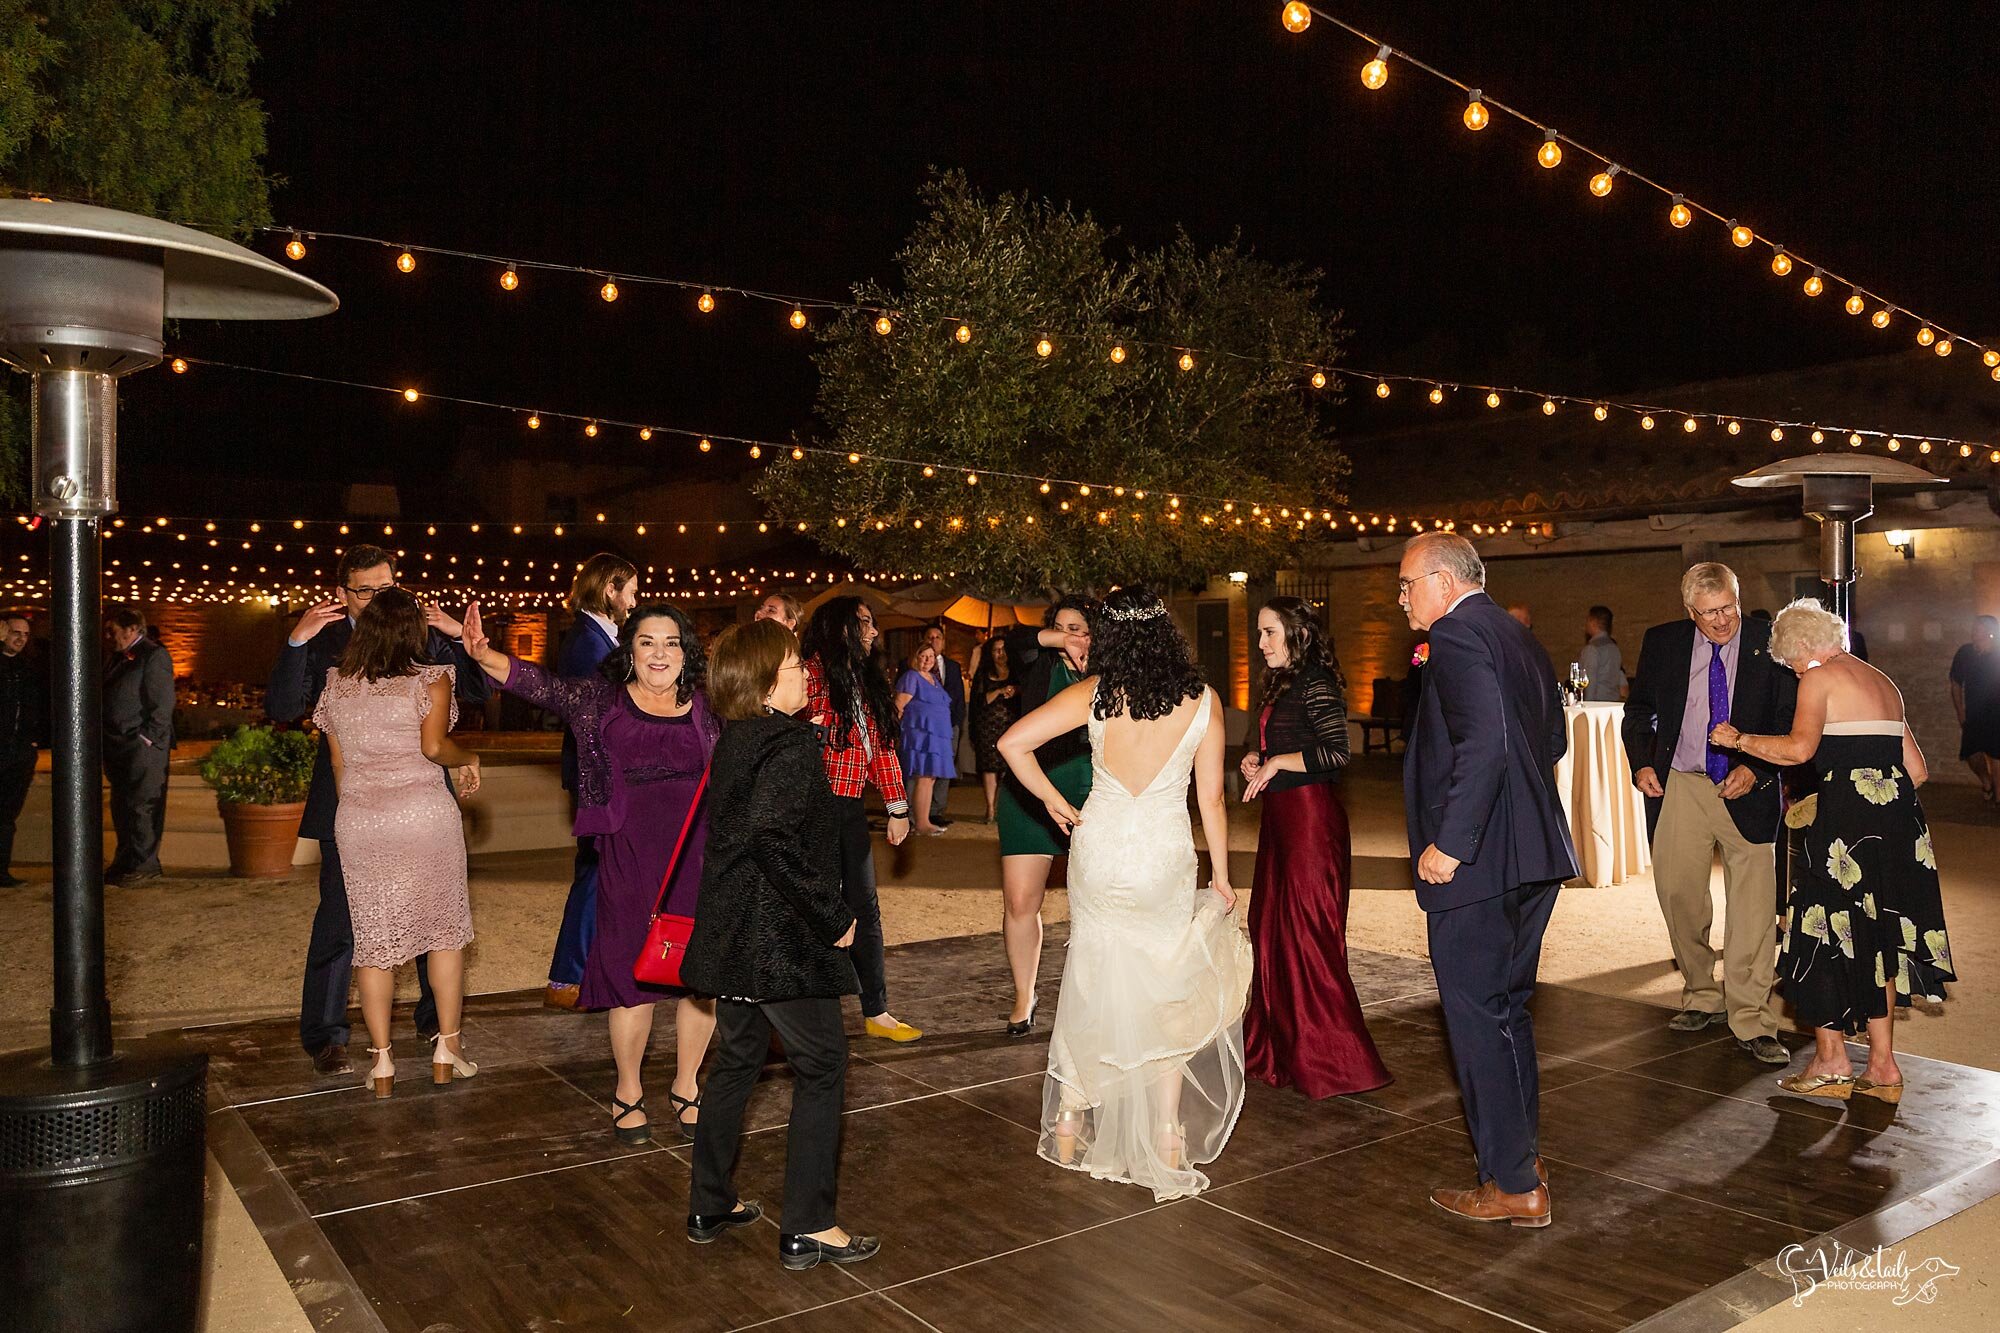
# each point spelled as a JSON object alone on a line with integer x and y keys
{"x": 954, "y": 685}
{"x": 24, "y": 700}
{"x": 1490, "y": 845}
{"x": 138, "y": 736}
{"x": 1713, "y": 667}
{"x": 315, "y": 645}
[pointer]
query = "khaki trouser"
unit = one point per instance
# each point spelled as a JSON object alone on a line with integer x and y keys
{"x": 1694, "y": 824}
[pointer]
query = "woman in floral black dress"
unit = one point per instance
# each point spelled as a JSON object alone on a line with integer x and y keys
{"x": 1865, "y": 927}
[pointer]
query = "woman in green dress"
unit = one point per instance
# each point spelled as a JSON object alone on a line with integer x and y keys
{"x": 1047, "y": 662}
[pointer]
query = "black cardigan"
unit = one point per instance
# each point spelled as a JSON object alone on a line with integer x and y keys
{"x": 1310, "y": 717}
{"x": 770, "y": 906}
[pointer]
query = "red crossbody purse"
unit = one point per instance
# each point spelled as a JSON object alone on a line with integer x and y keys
{"x": 659, "y": 962}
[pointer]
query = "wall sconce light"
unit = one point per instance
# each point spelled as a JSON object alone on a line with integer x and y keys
{"x": 1903, "y": 543}
{"x": 1239, "y": 576}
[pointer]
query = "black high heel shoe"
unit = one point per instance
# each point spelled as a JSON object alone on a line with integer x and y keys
{"x": 684, "y": 1104}
{"x": 1026, "y": 1025}
{"x": 632, "y": 1134}
{"x": 798, "y": 1252}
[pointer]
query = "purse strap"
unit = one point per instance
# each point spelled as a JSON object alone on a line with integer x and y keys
{"x": 660, "y": 903}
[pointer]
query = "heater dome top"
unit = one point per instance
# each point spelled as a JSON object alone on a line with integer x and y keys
{"x": 1880, "y": 472}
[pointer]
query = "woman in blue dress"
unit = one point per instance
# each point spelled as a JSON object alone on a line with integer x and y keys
{"x": 924, "y": 744}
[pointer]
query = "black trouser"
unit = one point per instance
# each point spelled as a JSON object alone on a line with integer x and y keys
{"x": 17, "y": 774}
{"x": 330, "y": 964}
{"x": 816, "y": 1048}
{"x": 1485, "y": 955}
{"x": 857, "y": 888}
{"x": 138, "y": 774}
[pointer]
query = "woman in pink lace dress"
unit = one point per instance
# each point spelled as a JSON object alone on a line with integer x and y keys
{"x": 387, "y": 716}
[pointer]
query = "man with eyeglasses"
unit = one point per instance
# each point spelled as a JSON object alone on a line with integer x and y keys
{"x": 1713, "y": 667}
{"x": 315, "y": 646}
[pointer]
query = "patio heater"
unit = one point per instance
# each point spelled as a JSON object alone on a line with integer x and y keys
{"x": 1839, "y": 491}
{"x": 101, "y": 1147}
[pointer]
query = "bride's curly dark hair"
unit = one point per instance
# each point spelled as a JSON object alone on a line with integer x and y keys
{"x": 1142, "y": 661}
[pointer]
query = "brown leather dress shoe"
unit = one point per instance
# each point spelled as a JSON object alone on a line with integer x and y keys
{"x": 1489, "y": 1204}
{"x": 330, "y": 1060}
{"x": 561, "y": 997}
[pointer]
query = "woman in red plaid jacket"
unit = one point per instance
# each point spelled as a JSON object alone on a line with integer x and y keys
{"x": 848, "y": 695}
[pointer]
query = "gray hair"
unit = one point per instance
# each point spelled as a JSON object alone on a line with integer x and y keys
{"x": 1709, "y": 576}
{"x": 1451, "y": 554}
{"x": 1806, "y": 628}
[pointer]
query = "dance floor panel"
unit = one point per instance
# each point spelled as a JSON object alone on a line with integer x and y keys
{"x": 504, "y": 1202}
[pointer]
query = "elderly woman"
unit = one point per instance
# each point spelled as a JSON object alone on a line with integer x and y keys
{"x": 1865, "y": 927}
{"x": 770, "y": 941}
{"x": 644, "y": 734}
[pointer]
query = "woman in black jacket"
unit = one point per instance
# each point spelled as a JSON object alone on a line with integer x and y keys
{"x": 769, "y": 941}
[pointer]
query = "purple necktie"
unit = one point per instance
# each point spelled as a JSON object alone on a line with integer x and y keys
{"x": 1718, "y": 711}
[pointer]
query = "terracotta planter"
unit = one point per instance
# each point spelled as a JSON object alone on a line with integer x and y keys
{"x": 262, "y": 838}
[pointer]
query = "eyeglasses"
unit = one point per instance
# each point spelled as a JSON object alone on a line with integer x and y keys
{"x": 793, "y": 666}
{"x": 1403, "y": 586}
{"x": 1715, "y": 615}
{"x": 367, "y": 594}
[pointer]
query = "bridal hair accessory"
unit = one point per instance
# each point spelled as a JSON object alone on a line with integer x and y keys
{"x": 1153, "y": 612}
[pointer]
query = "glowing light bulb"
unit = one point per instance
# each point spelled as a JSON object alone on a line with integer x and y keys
{"x": 1601, "y": 412}
{"x": 1739, "y": 235}
{"x": 1296, "y": 17}
{"x": 1548, "y": 407}
{"x": 1680, "y": 215}
{"x": 1777, "y": 434}
{"x": 1781, "y": 263}
{"x": 534, "y": 421}
{"x": 1319, "y": 379}
{"x": 1600, "y": 184}
{"x": 1043, "y": 488}
{"x": 1943, "y": 347}
{"x": 1880, "y": 319}
{"x": 963, "y": 333}
{"x": 509, "y": 279}
{"x": 972, "y": 478}
{"x": 1437, "y": 394}
{"x": 1855, "y": 439}
{"x": 180, "y": 366}
{"x": 1117, "y": 354}
{"x": 609, "y": 291}
{"x": 1854, "y": 304}
{"x": 1991, "y": 357}
{"x": 590, "y": 429}
{"x": 1477, "y": 117}
{"x": 705, "y": 303}
{"x": 409, "y": 395}
{"x": 797, "y": 454}
{"x": 1646, "y": 423}
{"x": 704, "y": 446}
{"x": 1382, "y": 389}
{"x": 1493, "y": 400}
{"x": 1895, "y": 446}
{"x": 1187, "y": 361}
{"x": 1376, "y": 72}
{"x": 884, "y": 326}
{"x": 1965, "y": 451}
{"x": 756, "y": 452}
{"x": 854, "y": 458}
{"x": 929, "y": 471}
{"x": 1735, "y": 428}
{"x": 798, "y": 318}
{"x": 1925, "y": 337}
{"x": 1690, "y": 425}
{"x": 406, "y": 261}
{"x": 1815, "y": 284}
{"x": 295, "y": 248}
{"x": 1550, "y": 154}
{"x": 1043, "y": 347}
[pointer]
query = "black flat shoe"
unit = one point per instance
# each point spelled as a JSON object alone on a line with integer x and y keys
{"x": 680, "y": 1105}
{"x": 1026, "y": 1025}
{"x": 702, "y": 1230}
{"x": 633, "y": 1134}
{"x": 800, "y": 1252}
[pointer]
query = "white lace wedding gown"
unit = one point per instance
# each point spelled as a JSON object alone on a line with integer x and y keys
{"x": 1145, "y": 1073}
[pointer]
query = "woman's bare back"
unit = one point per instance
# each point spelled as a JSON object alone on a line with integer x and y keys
{"x": 1857, "y": 692}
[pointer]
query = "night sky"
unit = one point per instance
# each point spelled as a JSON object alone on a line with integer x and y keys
{"x": 781, "y": 146}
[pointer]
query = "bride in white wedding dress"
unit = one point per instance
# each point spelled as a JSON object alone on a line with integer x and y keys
{"x": 1145, "y": 1075}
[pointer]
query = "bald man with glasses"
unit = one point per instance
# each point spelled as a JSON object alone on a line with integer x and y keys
{"x": 1713, "y": 667}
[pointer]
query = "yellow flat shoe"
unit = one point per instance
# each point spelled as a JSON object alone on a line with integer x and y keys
{"x": 898, "y": 1031}
{"x": 1834, "y": 1087}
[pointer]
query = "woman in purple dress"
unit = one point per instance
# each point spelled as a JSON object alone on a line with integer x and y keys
{"x": 644, "y": 734}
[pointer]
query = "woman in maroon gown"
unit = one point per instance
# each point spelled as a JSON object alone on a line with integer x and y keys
{"x": 1304, "y": 1026}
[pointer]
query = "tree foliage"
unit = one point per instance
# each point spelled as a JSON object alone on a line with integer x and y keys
{"x": 142, "y": 105}
{"x": 1016, "y": 270}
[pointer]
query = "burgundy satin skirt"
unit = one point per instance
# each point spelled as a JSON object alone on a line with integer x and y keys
{"x": 1304, "y": 1027}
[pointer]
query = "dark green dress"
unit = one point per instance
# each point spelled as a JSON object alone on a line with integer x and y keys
{"x": 1025, "y": 826}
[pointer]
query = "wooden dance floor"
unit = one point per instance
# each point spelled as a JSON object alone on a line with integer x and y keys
{"x": 1678, "y": 1173}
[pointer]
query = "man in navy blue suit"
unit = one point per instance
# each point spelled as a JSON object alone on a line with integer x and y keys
{"x": 316, "y": 643}
{"x": 1490, "y": 844}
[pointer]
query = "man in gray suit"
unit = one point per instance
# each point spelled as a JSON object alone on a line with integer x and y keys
{"x": 138, "y": 736}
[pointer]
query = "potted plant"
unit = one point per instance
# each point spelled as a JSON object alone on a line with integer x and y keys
{"x": 260, "y": 775}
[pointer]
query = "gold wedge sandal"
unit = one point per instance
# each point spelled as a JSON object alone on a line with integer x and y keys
{"x": 1830, "y": 1087}
{"x": 1891, "y": 1093}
